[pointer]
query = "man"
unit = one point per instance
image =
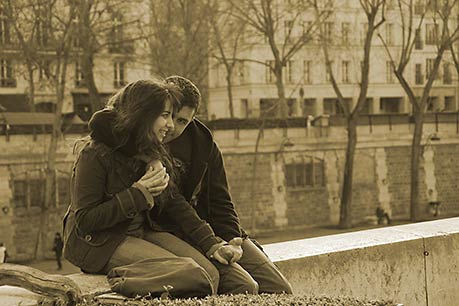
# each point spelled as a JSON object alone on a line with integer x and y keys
{"x": 202, "y": 180}
{"x": 3, "y": 253}
{"x": 57, "y": 248}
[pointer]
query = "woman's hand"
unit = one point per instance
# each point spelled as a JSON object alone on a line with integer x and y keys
{"x": 155, "y": 179}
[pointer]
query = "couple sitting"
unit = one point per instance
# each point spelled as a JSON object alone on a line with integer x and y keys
{"x": 150, "y": 205}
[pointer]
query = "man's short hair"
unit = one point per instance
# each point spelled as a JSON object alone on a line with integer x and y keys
{"x": 191, "y": 94}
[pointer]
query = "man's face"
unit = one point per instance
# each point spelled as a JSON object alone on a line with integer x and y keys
{"x": 181, "y": 120}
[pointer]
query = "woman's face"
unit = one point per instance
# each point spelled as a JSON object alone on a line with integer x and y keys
{"x": 163, "y": 123}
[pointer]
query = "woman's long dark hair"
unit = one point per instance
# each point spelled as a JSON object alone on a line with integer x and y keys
{"x": 137, "y": 105}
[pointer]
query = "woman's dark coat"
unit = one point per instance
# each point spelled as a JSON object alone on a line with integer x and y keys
{"x": 103, "y": 203}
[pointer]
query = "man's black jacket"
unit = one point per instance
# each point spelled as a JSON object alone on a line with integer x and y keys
{"x": 207, "y": 187}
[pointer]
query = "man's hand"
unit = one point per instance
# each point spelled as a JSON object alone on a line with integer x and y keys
{"x": 236, "y": 244}
{"x": 229, "y": 253}
{"x": 155, "y": 179}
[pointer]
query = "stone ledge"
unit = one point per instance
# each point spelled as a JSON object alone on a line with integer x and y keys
{"x": 410, "y": 264}
{"x": 415, "y": 264}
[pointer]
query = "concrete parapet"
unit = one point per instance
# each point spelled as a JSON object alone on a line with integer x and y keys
{"x": 415, "y": 264}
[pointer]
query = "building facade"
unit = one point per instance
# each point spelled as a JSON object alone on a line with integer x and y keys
{"x": 307, "y": 86}
{"x": 120, "y": 55}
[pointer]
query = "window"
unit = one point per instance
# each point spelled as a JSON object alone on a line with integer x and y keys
{"x": 309, "y": 173}
{"x": 389, "y": 72}
{"x": 432, "y": 104}
{"x": 332, "y": 106}
{"x": 268, "y": 108}
{"x": 76, "y": 42}
{"x": 79, "y": 78}
{"x": 240, "y": 70}
{"x": 116, "y": 34}
{"x": 4, "y": 30}
{"x": 288, "y": 76}
{"x": 63, "y": 188}
{"x": 118, "y": 74}
{"x": 328, "y": 31}
{"x": 309, "y": 106}
{"x": 389, "y": 105}
{"x": 447, "y": 76}
{"x": 288, "y": 27}
{"x": 36, "y": 191}
{"x": 244, "y": 108}
{"x": 42, "y": 30}
{"x": 419, "y": 7}
{"x": 19, "y": 193}
{"x": 345, "y": 71}
{"x": 418, "y": 40}
{"x": 390, "y": 34}
{"x": 29, "y": 188}
{"x": 431, "y": 33}
{"x": 327, "y": 73}
{"x": 7, "y": 78}
{"x": 307, "y": 73}
{"x": 429, "y": 66}
{"x": 291, "y": 107}
{"x": 345, "y": 30}
{"x": 450, "y": 103}
{"x": 43, "y": 70}
{"x": 418, "y": 74}
{"x": 269, "y": 74}
{"x": 307, "y": 27}
{"x": 432, "y": 5}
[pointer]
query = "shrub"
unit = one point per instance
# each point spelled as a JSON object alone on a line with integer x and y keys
{"x": 245, "y": 300}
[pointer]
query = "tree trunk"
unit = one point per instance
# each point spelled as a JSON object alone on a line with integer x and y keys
{"x": 229, "y": 88}
{"x": 88, "y": 74}
{"x": 345, "y": 218}
{"x": 31, "y": 91}
{"x": 87, "y": 44}
{"x": 282, "y": 106}
{"x": 57, "y": 288}
{"x": 416, "y": 149}
{"x": 50, "y": 170}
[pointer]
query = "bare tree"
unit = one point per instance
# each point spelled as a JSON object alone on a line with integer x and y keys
{"x": 227, "y": 38}
{"x": 53, "y": 27}
{"x": 21, "y": 35}
{"x": 440, "y": 13}
{"x": 178, "y": 39}
{"x": 265, "y": 17}
{"x": 374, "y": 12}
{"x": 102, "y": 25}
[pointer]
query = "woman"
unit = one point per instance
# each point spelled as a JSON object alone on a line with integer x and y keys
{"x": 115, "y": 194}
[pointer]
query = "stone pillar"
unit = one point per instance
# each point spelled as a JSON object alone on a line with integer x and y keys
{"x": 333, "y": 172}
{"x": 375, "y": 105}
{"x": 279, "y": 192}
{"x": 382, "y": 180}
{"x": 319, "y": 109}
{"x": 430, "y": 179}
{"x": 6, "y": 212}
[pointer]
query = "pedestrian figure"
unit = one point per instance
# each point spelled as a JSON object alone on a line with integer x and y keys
{"x": 3, "y": 253}
{"x": 57, "y": 248}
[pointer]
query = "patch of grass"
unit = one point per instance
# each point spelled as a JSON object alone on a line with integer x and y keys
{"x": 245, "y": 300}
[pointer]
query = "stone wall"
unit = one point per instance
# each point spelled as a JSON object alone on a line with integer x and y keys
{"x": 381, "y": 179}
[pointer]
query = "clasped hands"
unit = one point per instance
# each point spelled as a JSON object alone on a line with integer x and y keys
{"x": 230, "y": 252}
{"x": 155, "y": 179}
